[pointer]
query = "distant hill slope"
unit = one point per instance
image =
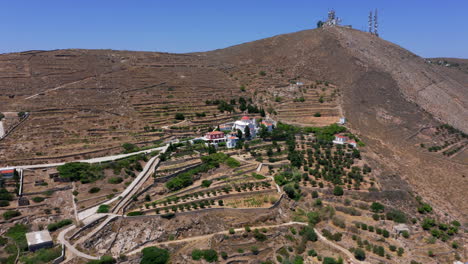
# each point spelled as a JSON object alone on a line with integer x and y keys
{"x": 345, "y": 55}
{"x": 89, "y": 102}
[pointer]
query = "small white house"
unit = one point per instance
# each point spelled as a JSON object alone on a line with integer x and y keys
{"x": 231, "y": 141}
{"x": 342, "y": 140}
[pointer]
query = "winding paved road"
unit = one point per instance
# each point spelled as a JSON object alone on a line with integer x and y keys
{"x": 93, "y": 160}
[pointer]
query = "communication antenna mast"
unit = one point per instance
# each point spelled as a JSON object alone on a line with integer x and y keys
{"x": 376, "y": 25}
{"x": 370, "y": 22}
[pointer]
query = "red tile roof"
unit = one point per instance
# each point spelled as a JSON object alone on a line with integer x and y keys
{"x": 215, "y": 133}
{"x": 245, "y": 118}
{"x": 7, "y": 171}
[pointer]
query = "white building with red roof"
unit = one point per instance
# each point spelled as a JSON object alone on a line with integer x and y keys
{"x": 215, "y": 136}
{"x": 342, "y": 140}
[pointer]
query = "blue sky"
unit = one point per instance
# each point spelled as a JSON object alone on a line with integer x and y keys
{"x": 430, "y": 28}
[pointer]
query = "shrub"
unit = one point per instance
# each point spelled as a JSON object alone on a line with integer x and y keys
{"x": 80, "y": 171}
{"x": 179, "y": 116}
{"x": 209, "y": 255}
{"x": 317, "y": 114}
{"x": 425, "y": 208}
{"x": 38, "y": 199}
{"x": 359, "y": 254}
{"x": 232, "y": 163}
{"x": 103, "y": 208}
{"x": 405, "y": 234}
{"x": 255, "y": 250}
{"x": 313, "y": 217}
{"x": 4, "y": 203}
{"x": 309, "y": 234}
{"x": 397, "y": 216}
{"x": 103, "y": 260}
{"x": 136, "y": 213}
{"x": 155, "y": 255}
{"x": 385, "y": 233}
{"x": 312, "y": 253}
{"x": 129, "y": 147}
{"x": 115, "y": 180}
{"x": 54, "y": 226}
{"x": 10, "y": 214}
{"x": 94, "y": 190}
{"x": 42, "y": 256}
{"x": 206, "y": 183}
{"x": 224, "y": 255}
{"x": 377, "y": 207}
{"x": 259, "y": 236}
{"x": 315, "y": 194}
{"x": 232, "y": 231}
{"x": 338, "y": 191}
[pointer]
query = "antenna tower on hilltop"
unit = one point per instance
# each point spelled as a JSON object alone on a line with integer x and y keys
{"x": 376, "y": 25}
{"x": 370, "y": 22}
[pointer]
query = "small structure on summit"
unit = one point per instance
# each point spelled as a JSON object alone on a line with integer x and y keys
{"x": 332, "y": 20}
{"x": 342, "y": 140}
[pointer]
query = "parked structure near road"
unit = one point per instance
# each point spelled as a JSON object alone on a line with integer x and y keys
{"x": 342, "y": 139}
{"x": 7, "y": 173}
{"x": 38, "y": 240}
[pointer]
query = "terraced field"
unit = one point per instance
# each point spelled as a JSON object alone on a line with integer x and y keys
{"x": 84, "y": 103}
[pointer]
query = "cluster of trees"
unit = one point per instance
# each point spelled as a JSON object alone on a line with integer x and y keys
{"x": 189, "y": 206}
{"x": 80, "y": 171}
{"x": 154, "y": 255}
{"x": 209, "y": 255}
{"x": 7, "y": 215}
{"x": 209, "y": 162}
{"x": 44, "y": 255}
{"x": 86, "y": 173}
{"x": 441, "y": 231}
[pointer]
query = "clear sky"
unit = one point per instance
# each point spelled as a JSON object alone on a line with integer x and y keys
{"x": 430, "y": 28}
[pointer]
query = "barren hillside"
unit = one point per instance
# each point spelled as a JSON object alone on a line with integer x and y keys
{"x": 88, "y": 102}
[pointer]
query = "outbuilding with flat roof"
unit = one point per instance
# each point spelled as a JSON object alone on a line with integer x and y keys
{"x": 39, "y": 239}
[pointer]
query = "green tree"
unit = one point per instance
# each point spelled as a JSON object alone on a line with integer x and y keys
{"x": 239, "y": 134}
{"x": 338, "y": 191}
{"x": 377, "y": 207}
{"x": 179, "y": 116}
{"x": 154, "y": 255}
{"x": 359, "y": 254}
{"x": 247, "y": 132}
